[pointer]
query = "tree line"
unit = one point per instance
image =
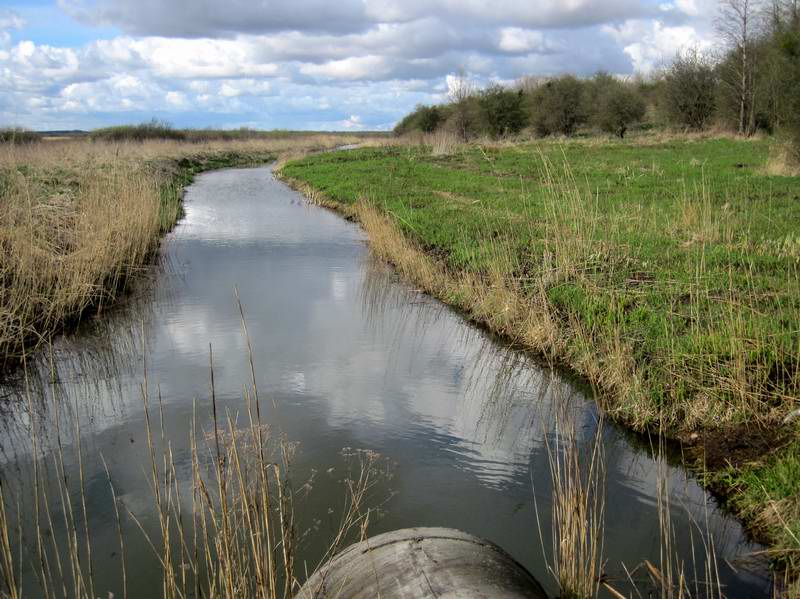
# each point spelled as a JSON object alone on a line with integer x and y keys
{"x": 752, "y": 83}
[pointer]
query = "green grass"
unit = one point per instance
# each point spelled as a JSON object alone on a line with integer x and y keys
{"x": 768, "y": 495}
{"x": 671, "y": 269}
{"x": 683, "y": 251}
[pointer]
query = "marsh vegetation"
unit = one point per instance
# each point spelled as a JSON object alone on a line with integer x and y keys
{"x": 78, "y": 219}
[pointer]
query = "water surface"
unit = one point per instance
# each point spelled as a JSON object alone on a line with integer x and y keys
{"x": 351, "y": 357}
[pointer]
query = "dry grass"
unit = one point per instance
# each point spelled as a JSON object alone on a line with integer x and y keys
{"x": 782, "y": 162}
{"x": 77, "y": 219}
{"x": 444, "y": 143}
{"x": 578, "y": 507}
{"x": 678, "y": 577}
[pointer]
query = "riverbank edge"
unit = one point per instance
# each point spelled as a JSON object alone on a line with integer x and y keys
{"x": 173, "y": 175}
{"x": 730, "y": 482}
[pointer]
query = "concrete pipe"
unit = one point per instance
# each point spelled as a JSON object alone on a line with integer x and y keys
{"x": 422, "y": 562}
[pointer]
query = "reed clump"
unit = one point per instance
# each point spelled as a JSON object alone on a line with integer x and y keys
{"x": 79, "y": 219}
{"x": 577, "y": 525}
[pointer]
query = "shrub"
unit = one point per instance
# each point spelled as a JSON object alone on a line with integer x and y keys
{"x": 557, "y": 106}
{"x": 689, "y": 90}
{"x": 502, "y": 110}
{"x": 424, "y": 118}
{"x": 619, "y": 106}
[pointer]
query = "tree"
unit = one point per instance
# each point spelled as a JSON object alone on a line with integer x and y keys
{"x": 557, "y": 106}
{"x": 461, "y": 92}
{"x": 787, "y": 38}
{"x": 688, "y": 90}
{"x": 618, "y": 106}
{"x": 736, "y": 24}
{"x": 424, "y": 118}
{"x": 502, "y": 110}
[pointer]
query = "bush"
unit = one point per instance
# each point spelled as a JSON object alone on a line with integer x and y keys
{"x": 153, "y": 129}
{"x": 424, "y": 118}
{"x": 689, "y": 90}
{"x": 503, "y": 111}
{"x": 618, "y": 106}
{"x": 557, "y": 106}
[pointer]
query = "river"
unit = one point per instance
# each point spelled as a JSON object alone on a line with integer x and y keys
{"x": 346, "y": 355}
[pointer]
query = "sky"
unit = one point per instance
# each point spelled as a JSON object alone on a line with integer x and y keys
{"x": 309, "y": 64}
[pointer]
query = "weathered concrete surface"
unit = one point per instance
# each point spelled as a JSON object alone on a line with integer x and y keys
{"x": 422, "y": 562}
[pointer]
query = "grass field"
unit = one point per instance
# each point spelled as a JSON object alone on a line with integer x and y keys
{"x": 79, "y": 218}
{"x": 665, "y": 271}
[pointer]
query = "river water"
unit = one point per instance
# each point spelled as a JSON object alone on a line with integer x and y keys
{"x": 348, "y": 357}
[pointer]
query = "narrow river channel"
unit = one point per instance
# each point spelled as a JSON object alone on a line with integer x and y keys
{"x": 346, "y": 356}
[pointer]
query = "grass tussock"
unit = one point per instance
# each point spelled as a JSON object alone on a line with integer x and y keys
{"x": 78, "y": 219}
{"x": 578, "y": 478}
{"x": 444, "y": 143}
{"x": 666, "y": 272}
{"x": 782, "y": 162}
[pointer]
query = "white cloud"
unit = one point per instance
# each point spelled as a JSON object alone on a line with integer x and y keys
{"x": 354, "y": 122}
{"x": 177, "y": 100}
{"x": 202, "y": 59}
{"x": 650, "y": 44}
{"x": 350, "y": 69}
{"x": 315, "y": 63}
{"x": 514, "y": 39}
{"x": 688, "y": 7}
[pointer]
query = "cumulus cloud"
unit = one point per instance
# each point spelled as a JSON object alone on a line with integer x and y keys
{"x": 349, "y": 69}
{"x": 316, "y": 63}
{"x": 354, "y": 122}
{"x": 516, "y": 40}
{"x": 650, "y": 44}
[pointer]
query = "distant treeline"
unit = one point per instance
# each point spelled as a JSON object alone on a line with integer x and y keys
{"x": 753, "y": 84}
{"x": 16, "y": 135}
{"x": 162, "y": 131}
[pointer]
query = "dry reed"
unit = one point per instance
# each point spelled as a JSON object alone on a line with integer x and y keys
{"x": 578, "y": 507}
{"x": 78, "y": 219}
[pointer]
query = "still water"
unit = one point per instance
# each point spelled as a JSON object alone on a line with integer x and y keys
{"x": 347, "y": 356}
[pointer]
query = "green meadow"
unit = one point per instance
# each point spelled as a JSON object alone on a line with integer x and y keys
{"x": 666, "y": 271}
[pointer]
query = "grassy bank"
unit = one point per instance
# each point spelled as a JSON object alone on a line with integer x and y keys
{"x": 667, "y": 272}
{"x": 79, "y": 218}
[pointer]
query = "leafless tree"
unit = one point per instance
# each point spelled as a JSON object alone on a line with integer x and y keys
{"x": 529, "y": 83}
{"x": 737, "y": 24}
{"x": 461, "y": 90}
